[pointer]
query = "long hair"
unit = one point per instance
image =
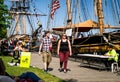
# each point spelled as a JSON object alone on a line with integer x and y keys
{"x": 2, "y": 67}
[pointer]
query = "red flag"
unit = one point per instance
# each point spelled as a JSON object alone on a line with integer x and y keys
{"x": 55, "y": 6}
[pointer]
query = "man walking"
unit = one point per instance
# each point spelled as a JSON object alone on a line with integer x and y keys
{"x": 45, "y": 47}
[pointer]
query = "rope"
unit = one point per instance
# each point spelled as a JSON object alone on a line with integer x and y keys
{"x": 79, "y": 10}
{"x": 115, "y": 36}
{"x": 15, "y": 26}
{"x": 49, "y": 20}
{"x": 30, "y": 23}
{"x": 107, "y": 41}
{"x": 74, "y": 11}
{"x": 85, "y": 40}
{"x": 113, "y": 4}
{"x": 83, "y": 9}
{"x": 87, "y": 11}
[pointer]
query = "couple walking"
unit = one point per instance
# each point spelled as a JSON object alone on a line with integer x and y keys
{"x": 63, "y": 51}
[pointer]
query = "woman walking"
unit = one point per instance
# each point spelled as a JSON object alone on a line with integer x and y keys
{"x": 64, "y": 51}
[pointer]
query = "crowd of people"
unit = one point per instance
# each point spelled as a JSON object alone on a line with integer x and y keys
{"x": 45, "y": 49}
{"x": 6, "y": 46}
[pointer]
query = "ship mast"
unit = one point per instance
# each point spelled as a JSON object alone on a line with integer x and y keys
{"x": 20, "y": 11}
{"x": 69, "y": 21}
{"x": 100, "y": 16}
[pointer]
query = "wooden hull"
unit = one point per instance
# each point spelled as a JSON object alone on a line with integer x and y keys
{"x": 96, "y": 39}
{"x": 96, "y": 43}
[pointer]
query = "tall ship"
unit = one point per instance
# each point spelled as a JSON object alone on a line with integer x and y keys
{"x": 25, "y": 22}
{"x": 91, "y": 36}
{"x": 91, "y": 25}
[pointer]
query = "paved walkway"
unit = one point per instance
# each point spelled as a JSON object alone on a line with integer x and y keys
{"x": 76, "y": 73}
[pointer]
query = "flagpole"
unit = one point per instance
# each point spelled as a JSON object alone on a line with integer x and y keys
{"x": 48, "y": 22}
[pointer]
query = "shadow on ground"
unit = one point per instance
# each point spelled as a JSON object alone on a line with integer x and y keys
{"x": 50, "y": 69}
{"x": 94, "y": 68}
{"x": 71, "y": 80}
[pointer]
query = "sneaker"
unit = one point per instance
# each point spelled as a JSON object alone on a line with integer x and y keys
{"x": 60, "y": 69}
{"x": 65, "y": 71}
{"x": 45, "y": 71}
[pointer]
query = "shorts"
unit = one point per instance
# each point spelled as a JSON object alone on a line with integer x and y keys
{"x": 46, "y": 56}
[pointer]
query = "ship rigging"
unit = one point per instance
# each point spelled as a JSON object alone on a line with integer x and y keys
{"x": 93, "y": 42}
{"x": 22, "y": 22}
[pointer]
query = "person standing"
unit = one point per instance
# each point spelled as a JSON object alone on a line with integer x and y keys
{"x": 45, "y": 46}
{"x": 64, "y": 51}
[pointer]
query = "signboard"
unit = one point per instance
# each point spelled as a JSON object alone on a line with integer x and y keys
{"x": 69, "y": 32}
{"x": 25, "y": 59}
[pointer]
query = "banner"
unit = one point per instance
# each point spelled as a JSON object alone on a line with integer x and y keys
{"x": 25, "y": 59}
{"x": 69, "y": 32}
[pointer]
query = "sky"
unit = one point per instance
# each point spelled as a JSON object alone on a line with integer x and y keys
{"x": 42, "y": 7}
{"x": 85, "y": 9}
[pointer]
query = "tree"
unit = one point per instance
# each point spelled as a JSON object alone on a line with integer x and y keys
{"x": 4, "y": 19}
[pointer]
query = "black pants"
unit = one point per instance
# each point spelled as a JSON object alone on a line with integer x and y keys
{"x": 108, "y": 63}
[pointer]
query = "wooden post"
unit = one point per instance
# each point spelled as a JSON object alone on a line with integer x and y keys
{"x": 69, "y": 21}
{"x": 100, "y": 16}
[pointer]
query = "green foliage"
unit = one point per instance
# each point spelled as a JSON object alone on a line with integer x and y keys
{"x": 4, "y": 19}
{"x": 16, "y": 71}
{"x": 3, "y": 32}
